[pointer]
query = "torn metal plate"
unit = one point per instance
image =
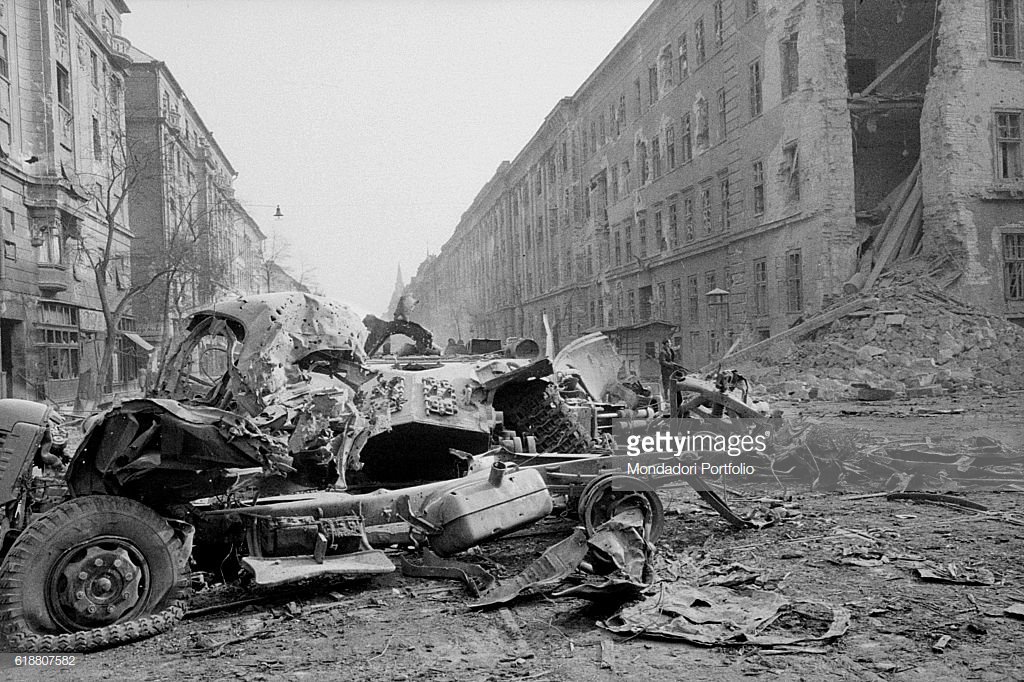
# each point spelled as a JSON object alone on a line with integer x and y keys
{"x": 278, "y": 570}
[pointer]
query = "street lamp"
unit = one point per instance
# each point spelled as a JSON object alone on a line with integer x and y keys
{"x": 718, "y": 299}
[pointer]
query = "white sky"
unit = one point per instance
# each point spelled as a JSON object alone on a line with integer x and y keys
{"x": 373, "y": 123}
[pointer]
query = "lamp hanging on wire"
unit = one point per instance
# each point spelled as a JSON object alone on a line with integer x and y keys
{"x": 277, "y": 213}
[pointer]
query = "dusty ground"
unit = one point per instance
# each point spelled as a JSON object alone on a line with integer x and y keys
{"x": 410, "y": 629}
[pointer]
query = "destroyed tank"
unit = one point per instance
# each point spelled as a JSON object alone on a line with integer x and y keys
{"x": 244, "y": 460}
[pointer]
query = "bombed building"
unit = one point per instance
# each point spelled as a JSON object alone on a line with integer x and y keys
{"x": 733, "y": 166}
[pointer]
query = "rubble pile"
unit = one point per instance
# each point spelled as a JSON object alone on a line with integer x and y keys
{"x": 915, "y": 341}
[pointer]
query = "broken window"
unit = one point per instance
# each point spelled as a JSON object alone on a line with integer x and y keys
{"x": 1003, "y": 14}
{"x": 794, "y": 282}
{"x": 629, "y": 241}
{"x": 705, "y": 209}
{"x": 618, "y": 249}
{"x": 790, "y": 66}
{"x": 686, "y": 140}
{"x": 600, "y": 311}
{"x": 698, "y": 40}
{"x": 722, "y": 128}
{"x": 693, "y": 288}
{"x": 670, "y": 146}
{"x": 624, "y": 177}
{"x": 684, "y": 67}
{"x": 703, "y": 126}
{"x": 1009, "y": 161}
{"x": 1013, "y": 266}
{"x": 659, "y": 302}
{"x": 652, "y": 84}
{"x": 688, "y": 217}
{"x": 761, "y": 287}
{"x": 593, "y": 136}
{"x": 751, "y": 8}
{"x": 723, "y": 218}
{"x": 631, "y": 305}
{"x": 673, "y": 225}
{"x": 758, "y": 185}
{"x": 791, "y": 169}
{"x": 58, "y": 340}
{"x": 756, "y": 102}
{"x": 719, "y": 23}
{"x": 659, "y": 232}
{"x": 615, "y": 183}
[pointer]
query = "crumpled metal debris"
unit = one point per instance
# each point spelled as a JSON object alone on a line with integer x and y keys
{"x": 617, "y": 557}
{"x": 954, "y": 573}
{"x": 722, "y": 616}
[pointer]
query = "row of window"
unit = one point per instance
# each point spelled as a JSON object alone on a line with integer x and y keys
{"x": 652, "y": 302}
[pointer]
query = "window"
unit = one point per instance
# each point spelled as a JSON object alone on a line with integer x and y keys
{"x": 94, "y": 69}
{"x": 698, "y": 40}
{"x": 631, "y": 306}
{"x": 652, "y": 84}
{"x": 1009, "y": 155}
{"x": 57, "y": 339}
{"x": 705, "y": 209}
{"x": 722, "y": 129}
{"x": 642, "y": 229}
{"x": 641, "y": 161}
{"x": 593, "y": 136}
{"x": 628, "y": 233}
{"x": 693, "y": 289}
{"x": 51, "y": 250}
{"x": 601, "y": 136}
{"x": 10, "y": 250}
{"x": 5, "y": 65}
{"x": 719, "y": 23}
{"x": 63, "y": 87}
{"x": 620, "y": 120}
{"x": 115, "y": 93}
{"x": 1003, "y": 14}
{"x": 790, "y": 66}
{"x": 97, "y": 139}
{"x": 1013, "y": 266}
{"x": 791, "y": 168}
{"x": 677, "y": 301}
{"x": 723, "y": 218}
{"x": 703, "y": 126}
{"x": 758, "y": 185}
{"x": 614, "y": 184}
{"x": 751, "y": 8}
{"x": 656, "y": 157}
{"x": 60, "y": 15}
{"x": 714, "y": 345}
{"x": 686, "y": 140}
{"x": 756, "y": 102}
{"x": 684, "y": 67}
{"x": 659, "y": 232}
{"x": 673, "y": 225}
{"x": 639, "y": 98}
{"x": 670, "y": 146}
{"x": 665, "y": 74}
{"x": 761, "y": 287}
{"x": 794, "y": 280}
{"x": 660, "y": 302}
{"x": 688, "y": 217}
{"x": 618, "y": 248}
{"x": 127, "y": 356}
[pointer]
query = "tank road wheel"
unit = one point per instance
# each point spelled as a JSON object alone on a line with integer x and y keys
{"x": 92, "y": 572}
{"x": 611, "y": 494}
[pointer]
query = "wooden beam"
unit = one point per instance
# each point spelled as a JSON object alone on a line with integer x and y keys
{"x": 896, "y": 64}
{"x": 801, "y": 330}
{"x": 896, "y": 233}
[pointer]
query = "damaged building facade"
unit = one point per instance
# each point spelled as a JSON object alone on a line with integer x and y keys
{"x": 196, "y": 240}
{"x": 724, "y": 171}
{"x": 62, "y": 76}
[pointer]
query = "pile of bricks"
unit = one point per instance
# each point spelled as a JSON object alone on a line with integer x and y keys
{"x": 916, "y": 342}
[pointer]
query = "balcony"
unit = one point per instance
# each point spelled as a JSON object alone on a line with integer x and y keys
{"x": 52, "y": 277}
{"x": 121, "y": 48}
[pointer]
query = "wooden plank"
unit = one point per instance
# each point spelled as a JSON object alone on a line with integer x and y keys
{"x": 912, "y": 232}
{"x": 802, "y": 329}
{"x": 896, "y": 64}
{"x": 885, "y": 251}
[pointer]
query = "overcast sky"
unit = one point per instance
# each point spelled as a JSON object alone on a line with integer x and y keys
{"x": 373, "y": 124}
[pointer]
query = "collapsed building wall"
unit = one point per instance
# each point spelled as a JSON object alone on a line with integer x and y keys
{"x": 971, "y": 152}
